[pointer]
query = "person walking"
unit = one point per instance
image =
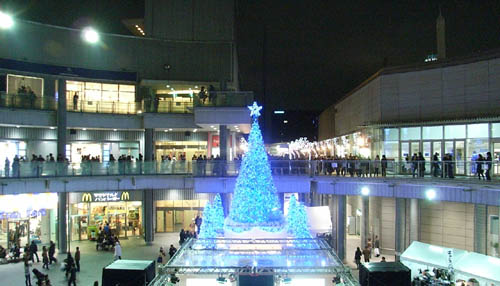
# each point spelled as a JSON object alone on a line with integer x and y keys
{"x": 479, "y": 167}
{"x": 72, "y": 276}
{"x": 488, "y": 166}
{"x": 383, "y": 163}
{"x": 377, "y": 246}
{"x": 162, "y": 257}
{"x": 357, "y": 257}
{"x": 172, "y": 250}
{"x": 376, "y": 165}
{"x": 6, "y": 170}
{"x": 70, "y": 263}
{"x": 52, "y": 251}
{"x": 421, "y": 165}
{"x": 77, "y": 259}
{"x": 34, "y": 250}
{"x": 197, "y": 221}
{"x": 45, "y": 258}
{"x": 366, "y": 254}
{"x": 118, "y": 251}
{"x": 27, "y": 273}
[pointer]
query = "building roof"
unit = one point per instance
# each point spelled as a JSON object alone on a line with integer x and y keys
{"x": 477, "y": 57}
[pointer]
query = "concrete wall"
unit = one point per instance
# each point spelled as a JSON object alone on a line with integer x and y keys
{"x": 189, "y": 60}
{"x": 388, "y": 223}
{"x": 199, "y": 20}
{"x": 447, "y": 224}
{"x": 446, "y": 91}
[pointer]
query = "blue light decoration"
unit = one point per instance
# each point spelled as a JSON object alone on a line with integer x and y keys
{"x": 207, "y": 228}
{"x": 218, "y": 215}
{"x": 296, "y": 220}
{"x": 255, "y": 203}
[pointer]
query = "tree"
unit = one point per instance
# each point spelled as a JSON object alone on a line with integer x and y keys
{"x": 297, "y": 219}
{"x": 218, "y": 215}
{"x": 255, "y": 201}
{"x": 207, "y": 229}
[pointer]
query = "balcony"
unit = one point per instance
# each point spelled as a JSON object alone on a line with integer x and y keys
{"x": 359, "y": 169}
{"x": 26, "y": 101}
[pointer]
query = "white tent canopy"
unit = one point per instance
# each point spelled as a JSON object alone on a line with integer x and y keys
{"x": 486, "y": 269}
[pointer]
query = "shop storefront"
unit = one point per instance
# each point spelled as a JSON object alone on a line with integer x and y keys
{"x": 179, "y": 149}
{"x": 122, "y": 210}
{"x": 101, "y": 97}
{"x": 174, "y": 215}
{"x": 28, "y": 217}
{"x": 100, "y": 150}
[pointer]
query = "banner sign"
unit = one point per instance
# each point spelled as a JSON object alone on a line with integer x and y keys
{"x": 106, "y": 197}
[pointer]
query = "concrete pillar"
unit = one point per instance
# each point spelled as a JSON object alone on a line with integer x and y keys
{"x": 234, "y": 145}
{"x": 148, "y": 144}
{"x": 480, "y": 228}
{"x": 148, "y": 208}
{"x": 226, "y": 202}
{"x": 365, "y": 220}
{"x": 61, "y": 118}
{"x": 62, "y": 222}
{"x": 341, "y": 227}
{"x": 400, "y": 227}
{"x": 414, "y": 221}
{"x": 223, "y": 137}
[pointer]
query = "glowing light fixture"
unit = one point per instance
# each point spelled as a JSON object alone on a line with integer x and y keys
{"x": 430, "y": 194}
{"x": 6, "y": 21}
{"x": 194, "y": 131}
{"x": 52, "y": 127}
{"x": 84, "y": 129}
{"x": 114, "y": 129}
{"x": 17, "y": 126}
{"x": 365, "y": 191}
{"x": 90, "y": 35}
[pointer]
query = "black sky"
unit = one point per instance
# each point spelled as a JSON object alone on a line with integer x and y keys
{"x": 316, "y": 51}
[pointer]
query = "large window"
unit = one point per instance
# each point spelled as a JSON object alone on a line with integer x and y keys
{"x": 495, "y": 130}
{"x": 100, "y": 97}
{"x": 410, "y": 133}
{"x": 391, "y": 134}
{"x": 390, "y": 149}
{"x": 477, "y": 130}
{"x": 432, "y": 132}
{"x": 454, "y": 131}
{"x": 18, "y": 84}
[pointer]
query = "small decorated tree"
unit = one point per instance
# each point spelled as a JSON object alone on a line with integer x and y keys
{"x": 208, "y": 227}
{"x": 218, "y": 215}
{"x": 297, "y": 220}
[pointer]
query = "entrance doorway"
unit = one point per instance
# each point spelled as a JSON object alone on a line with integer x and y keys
{"x": 408, "y": 148}
{"x": 429, "y": 149}
{"x": 457, "y": 150}
{"x": 496, "y": 158}
{"x": 18, "y": 231}
{"x": 175, "y": 219}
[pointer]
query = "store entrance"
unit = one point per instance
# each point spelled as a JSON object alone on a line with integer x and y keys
{"x": 408, "y": 148}
{"x": 496, "y": 157}
{"x": 457, "y": 150}
{"x": 79, "y": 228}
{"x": 429, "y": 149}
{"x": 18, "y": 232}
{"x": 174, "y": 219}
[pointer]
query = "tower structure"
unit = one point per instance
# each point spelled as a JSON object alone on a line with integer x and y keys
{"x": 441, "y": 36}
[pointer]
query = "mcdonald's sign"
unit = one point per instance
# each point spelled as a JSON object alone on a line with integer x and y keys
{"x": 125, "y": 196}
{"x": 87, "y": 197}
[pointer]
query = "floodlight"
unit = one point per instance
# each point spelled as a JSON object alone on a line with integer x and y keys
{"x": 430, "y": 194}
{"x": 6, "y": 21}
{"x": 365, "y": 191}
{"x": 90, "y": 35}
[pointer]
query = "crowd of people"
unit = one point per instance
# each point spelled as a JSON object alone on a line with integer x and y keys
{"x": 370, "y": 249}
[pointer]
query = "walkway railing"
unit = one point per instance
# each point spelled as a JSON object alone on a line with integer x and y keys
{"x": 216, "y": 168}
{"x": 27, "y": 101}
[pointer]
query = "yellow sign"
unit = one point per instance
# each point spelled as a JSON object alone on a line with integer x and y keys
{"x": 125, "y": 196}
{"x": 87, "y": 197}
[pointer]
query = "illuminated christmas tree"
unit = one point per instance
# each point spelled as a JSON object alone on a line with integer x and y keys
{"x": 207, "y": 229}
{"x": 255, "y": 202}
{"x": 297, "y": 219}
{"x": 218, "y": 215}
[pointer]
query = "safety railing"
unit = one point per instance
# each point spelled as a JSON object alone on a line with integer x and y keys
{"x": 27, "y": 101}
{"x": 104, "y": 107}
{"x": 468, "y": 170}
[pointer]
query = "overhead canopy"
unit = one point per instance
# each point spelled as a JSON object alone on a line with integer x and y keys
{"x": 431, "y": 255}
{"x": 466, "y": 264}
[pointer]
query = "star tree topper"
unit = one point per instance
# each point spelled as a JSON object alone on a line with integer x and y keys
{"x": 255, "y": 110}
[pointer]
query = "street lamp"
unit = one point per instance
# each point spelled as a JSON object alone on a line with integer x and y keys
{"x": 6, "y": 21}
{"x": 90, "y": 35}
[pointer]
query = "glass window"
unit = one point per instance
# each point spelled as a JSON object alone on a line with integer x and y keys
{"x": 477, "y": 130}
{"x": 454, "y": 131}
{"x": 410, "y": 133}
{"x": 23, "y": 84}
{"x": 495, "y": 130}
{"x": 432, "y": 132}
{"x": 476, "y": 147}
{"x": 390, "y": 150}
{"x": 391, "y": 134}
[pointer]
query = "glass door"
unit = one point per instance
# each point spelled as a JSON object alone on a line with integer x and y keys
{"x": 496, "y": 158}
{"x": 457, "y": 151}
{"x": 405, "y": 158}
{"x": 18, "y": 231}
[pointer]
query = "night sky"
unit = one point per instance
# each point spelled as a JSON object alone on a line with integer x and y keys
{"x": 315, "y": 51}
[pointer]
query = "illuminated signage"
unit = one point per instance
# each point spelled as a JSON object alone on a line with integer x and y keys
{"x": 18, "y": 215}
{"x": 106, "y": 197}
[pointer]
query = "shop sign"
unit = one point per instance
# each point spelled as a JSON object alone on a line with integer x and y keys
{"x": 215, "y": 140}
{"x": 106, "y": 197}
{"x": 17, "y": 215}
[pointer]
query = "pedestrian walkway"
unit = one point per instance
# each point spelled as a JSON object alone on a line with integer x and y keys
{"x": 92, "y": 262}
{"x": 353, "y": 241}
